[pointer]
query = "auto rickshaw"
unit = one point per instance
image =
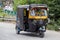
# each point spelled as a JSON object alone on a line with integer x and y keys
{"x": 32, "y": 18}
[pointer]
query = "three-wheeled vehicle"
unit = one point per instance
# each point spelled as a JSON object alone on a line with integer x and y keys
{"x": 32, "y": 18}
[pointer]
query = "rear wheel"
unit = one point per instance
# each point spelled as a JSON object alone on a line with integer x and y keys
{"x": 17, "y": 30}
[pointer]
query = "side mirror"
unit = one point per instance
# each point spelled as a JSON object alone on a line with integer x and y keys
{"x": 47, "y": 9}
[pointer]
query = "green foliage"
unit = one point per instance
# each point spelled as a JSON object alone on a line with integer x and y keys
{"x": 19, "y": 2}
{"x": 54, "y": 10}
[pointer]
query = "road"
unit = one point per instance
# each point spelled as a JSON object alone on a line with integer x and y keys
{"x": 7, "y": 32}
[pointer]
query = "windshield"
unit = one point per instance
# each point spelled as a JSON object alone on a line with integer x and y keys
{"x": 38, "y": 12}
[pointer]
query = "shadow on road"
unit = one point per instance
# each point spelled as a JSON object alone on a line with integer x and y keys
{"x": 29, "y": 34}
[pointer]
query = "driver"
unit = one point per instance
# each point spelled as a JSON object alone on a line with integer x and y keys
{"x": 42, "y": 12}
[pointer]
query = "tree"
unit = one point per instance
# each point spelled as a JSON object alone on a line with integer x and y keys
{"x": 54, "y": 5}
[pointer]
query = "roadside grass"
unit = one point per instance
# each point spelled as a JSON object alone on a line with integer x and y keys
{"x": 2, "y": 14}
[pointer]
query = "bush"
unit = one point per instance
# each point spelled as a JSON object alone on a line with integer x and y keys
{"x": 53, "y": 25}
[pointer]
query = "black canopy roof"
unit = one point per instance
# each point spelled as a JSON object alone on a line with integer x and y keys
{"x": 32, "y": 5}
{"x": 38, "y": 5}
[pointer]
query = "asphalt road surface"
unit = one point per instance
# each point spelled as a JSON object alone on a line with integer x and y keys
{"x": 7, "y": 32}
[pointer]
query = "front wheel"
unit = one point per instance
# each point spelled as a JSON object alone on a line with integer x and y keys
{"x": 41, "y": 34}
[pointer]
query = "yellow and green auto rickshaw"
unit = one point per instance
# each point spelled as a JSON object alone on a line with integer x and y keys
{"x": 32, "y": 18}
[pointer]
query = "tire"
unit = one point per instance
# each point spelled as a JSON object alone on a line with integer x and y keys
{"x": 17, "y": 30}
{"x": 41, "y": 35}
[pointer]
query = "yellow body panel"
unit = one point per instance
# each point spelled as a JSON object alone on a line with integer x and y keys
{"x": 37, "y": 17}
